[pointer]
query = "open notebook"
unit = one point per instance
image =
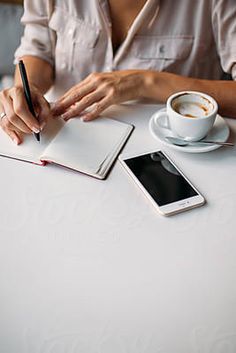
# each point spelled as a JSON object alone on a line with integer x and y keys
{"x": 87, "y": 147}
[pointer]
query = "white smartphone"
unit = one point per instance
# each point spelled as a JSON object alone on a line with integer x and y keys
{"x": 162, "y": 182}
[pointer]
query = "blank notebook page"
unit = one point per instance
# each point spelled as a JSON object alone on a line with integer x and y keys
{"x": 84, "y": 146}
{"x": 30, "y": 150}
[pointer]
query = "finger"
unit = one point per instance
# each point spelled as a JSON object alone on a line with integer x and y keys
{"x": 98, "y": 109}
{"x": 16, "y": 138}
{"x": 5, "y": 123}
{"x": 72, "y": 97}
{"x": 7, "y": 107}
{"x": 44, "y": 111}
{"x": 22, "y": 111}
{"x": 56, "y": 107}
{"x": 74, "y": 88}
{"x": 85, "y": 102}
{"x": 13, "y": 121}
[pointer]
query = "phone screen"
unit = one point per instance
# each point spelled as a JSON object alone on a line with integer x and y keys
{"x": 160, "y": 178}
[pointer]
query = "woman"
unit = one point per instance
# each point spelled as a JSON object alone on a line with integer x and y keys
{"x": 96, "y": 53}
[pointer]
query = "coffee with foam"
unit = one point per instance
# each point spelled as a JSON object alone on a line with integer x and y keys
{"x": 191, "y": 105}
{"x": 190, "y": 114}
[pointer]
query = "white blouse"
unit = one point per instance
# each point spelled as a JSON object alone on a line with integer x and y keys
{"x": 195, "y": 38}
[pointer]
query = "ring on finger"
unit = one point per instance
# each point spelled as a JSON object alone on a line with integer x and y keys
{"x": 2, "y": 115}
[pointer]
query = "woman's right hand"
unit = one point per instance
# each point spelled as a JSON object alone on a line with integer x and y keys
{"x": 18, "y": 120}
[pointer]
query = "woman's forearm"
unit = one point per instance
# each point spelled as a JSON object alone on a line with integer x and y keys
{"x": 160, "y": 85}
{"x": 39, "y": 72}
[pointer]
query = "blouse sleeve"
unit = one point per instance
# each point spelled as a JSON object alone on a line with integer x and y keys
{"x": 36, "y": 40}
{"x": 224, "y": 27}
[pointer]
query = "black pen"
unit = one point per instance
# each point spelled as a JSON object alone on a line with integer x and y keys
{"x": 27, "y": 94}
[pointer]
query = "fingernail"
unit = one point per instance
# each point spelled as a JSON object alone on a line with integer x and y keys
{"x": 65, "y": 116}
{"x": 15, "y": 141}
{"x": 36, "y": 130}
{"x": 85, "y": 118}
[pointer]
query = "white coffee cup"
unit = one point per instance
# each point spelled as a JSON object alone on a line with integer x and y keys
{"x": 189, "y": 115}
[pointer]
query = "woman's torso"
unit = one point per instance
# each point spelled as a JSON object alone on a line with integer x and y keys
{"x": 173, "y": 36}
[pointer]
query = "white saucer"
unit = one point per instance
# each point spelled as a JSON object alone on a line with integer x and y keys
{"x": 219, "y": 132}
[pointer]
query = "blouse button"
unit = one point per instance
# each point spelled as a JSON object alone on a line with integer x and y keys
{"x": 70, "y": 32}
{"x": 162, "y": 49}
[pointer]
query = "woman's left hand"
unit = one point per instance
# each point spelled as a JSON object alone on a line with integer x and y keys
{"x": 99, "y": 91}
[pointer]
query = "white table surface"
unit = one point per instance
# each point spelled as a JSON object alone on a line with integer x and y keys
{"x": 89, "y": 266}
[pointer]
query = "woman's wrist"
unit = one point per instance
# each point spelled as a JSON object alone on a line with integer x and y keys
{"x": 39, "y": 72}
{"x": 139, "y": 83}
{"x": 151, "y": 85}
